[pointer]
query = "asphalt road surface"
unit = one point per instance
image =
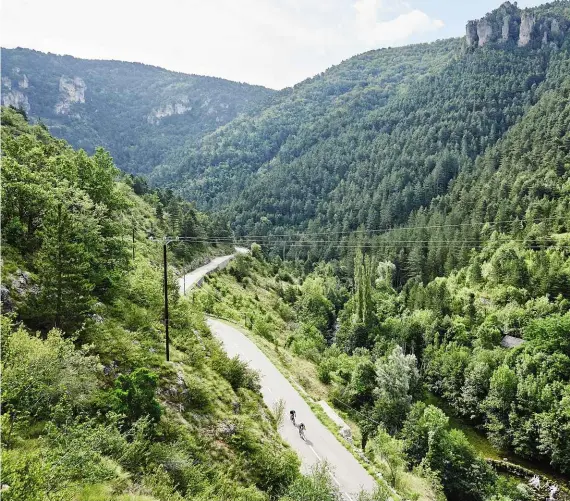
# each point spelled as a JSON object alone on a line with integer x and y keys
{"x": 195, "y": 277}
{"x": 320, "y": 443}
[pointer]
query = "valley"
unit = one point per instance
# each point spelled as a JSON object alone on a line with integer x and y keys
{"x": 386, "y": 242}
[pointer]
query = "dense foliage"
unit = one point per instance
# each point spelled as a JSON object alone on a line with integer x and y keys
{"x": 138, "y": 112}
{"x": 427, "y": 135}
{"x": 90, "y": 409}
{"x": 390, "y": 350}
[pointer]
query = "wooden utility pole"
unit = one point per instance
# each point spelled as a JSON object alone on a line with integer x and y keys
{"x": 165, "y": 243}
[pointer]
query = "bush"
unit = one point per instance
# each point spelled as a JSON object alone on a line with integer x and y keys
{"x": 38, "y": 374}
{"x": 274, "y": 472}
{"x": 262, "y": 328}
{"x": 308, "y": 342}
{"x": 236, "y": 372}
{"x": 134, "y": 395}
{"x": 316, "y": 486}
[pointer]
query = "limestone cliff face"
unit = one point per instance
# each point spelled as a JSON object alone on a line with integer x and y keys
{"x": 509, "y": 24}
{"x": 484, "y": 32}
{"x": 177, "y": 107}
{"x": 471, "y": 34}
{"x": 17, "y": 99}
{"x": 71, "y": 90}
{"x": 526, "y": 28}
{"x": 12, "y": 94}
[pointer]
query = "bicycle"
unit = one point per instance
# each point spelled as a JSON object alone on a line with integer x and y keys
{"x": 292, "y": 415}
{"x": 302, "y": 431}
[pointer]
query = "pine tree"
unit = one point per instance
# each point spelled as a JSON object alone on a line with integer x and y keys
{"x": 71, "y": 240}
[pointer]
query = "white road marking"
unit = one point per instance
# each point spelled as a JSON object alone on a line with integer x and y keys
{"x": 346, "y": 494}
{"x": 337, "y": 482}
{"x": 315, "y": 453}
{"x": 269, "y": 390}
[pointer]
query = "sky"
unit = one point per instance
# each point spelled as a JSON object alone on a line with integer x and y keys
{"x": 275, "y": 43}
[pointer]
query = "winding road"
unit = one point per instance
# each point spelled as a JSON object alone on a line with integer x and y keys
{"x": 320, "y": 443}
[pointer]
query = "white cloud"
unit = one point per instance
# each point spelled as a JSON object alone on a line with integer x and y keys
{"x": 402, "y": 23}
{"x": 269, "y": 42}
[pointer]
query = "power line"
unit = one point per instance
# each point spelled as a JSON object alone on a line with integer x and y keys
{"x": 391, "y": 229}
{"x": 391, "y": 243}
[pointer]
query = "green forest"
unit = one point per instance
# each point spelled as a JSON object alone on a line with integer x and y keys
{"x": 90, "y": 409}
{"x": 139, "y": 113}
{"x": 407, "y": 215}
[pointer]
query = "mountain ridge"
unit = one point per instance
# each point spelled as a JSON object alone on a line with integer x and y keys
{"x": 137, "y": 111}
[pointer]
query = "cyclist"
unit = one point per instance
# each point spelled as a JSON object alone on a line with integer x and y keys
{"x": 292, "y": 415}
{"x": 302, "y": 431}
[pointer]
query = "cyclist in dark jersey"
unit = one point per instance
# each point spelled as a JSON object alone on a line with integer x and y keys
{"x": 302, "y": 431}
{"x": 292, "y": 415}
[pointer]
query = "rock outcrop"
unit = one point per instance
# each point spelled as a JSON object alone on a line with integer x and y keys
{"x": 24, "y": 83}
{"x": 526, "y": 28}
{"x": 484, "y": 32}
{"x": 510, "y": 25}
{"x": 71, "y": 90}
{"x": 12, "y": 96}
{"x": 471, "y": 34}
{"x": 17, "y": 99}
{"x": 178, "y": 107}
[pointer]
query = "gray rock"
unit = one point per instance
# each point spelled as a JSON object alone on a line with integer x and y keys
{"x": 226, "y": 429}
{"x": 527, "y": 26}
{"x": 71, "y": 90}
{"x": 17, "y": 99}
{"x": 5, "y": 299}
{"x": 506, "y": 31}
{"x": 346, "y": 433}
{"x": 484, "y": 31}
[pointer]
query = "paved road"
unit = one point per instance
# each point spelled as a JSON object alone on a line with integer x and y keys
{"x": 195, "y": 277}
{"x": 321, "y": 444}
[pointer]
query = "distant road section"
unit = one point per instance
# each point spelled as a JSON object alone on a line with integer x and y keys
{"x": 195, "y": 277}
{"x": 321, "y": 444}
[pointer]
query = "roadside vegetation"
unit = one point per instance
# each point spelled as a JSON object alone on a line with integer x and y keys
{"x": 90, "y": 409}
{"x": 377, "y": 353}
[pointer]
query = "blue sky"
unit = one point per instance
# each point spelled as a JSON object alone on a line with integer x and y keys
{"x": 275, "y": 43}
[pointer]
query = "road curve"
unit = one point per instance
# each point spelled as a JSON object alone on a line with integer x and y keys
{"x": 321, "y": 444}
{"x": 195, "y": 277}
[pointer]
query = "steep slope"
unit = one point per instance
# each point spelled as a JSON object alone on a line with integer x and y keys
{"x": 138, "y": 112}
{"x": 90, "y": 409}
{"x": 216, "y": 171}
{"x": 381, "y": 135}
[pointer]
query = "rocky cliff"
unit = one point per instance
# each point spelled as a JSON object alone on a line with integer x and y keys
{"x": 140, "y": 113}
{"x": 13, "y": 86}
{"x": 510, "y": 25}
{"x": 71, "y": 90}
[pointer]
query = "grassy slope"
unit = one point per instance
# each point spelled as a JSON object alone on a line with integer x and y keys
{"x": 215, "y": 434}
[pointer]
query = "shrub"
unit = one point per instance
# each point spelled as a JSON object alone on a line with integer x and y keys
{"x": 262, "y": 328}
{"x": 135, "y": 395}
{"x": 274, "y": 472}
{"x": 236, "y": 372}
{"x": 38, "y": 374}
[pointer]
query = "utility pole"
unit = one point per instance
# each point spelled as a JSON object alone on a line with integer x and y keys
{"x": 165, "y": 243}
{"x": 133, "y": 239}
{"x": 184, "y": 278}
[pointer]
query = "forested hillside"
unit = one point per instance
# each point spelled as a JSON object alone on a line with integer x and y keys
{"x": 138, "y": 112}
{"x": 300, "y": 119}
{"x": 90, "y": 409}
{"x": 425, "y": 370}
{"x": 383, "y": 134}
